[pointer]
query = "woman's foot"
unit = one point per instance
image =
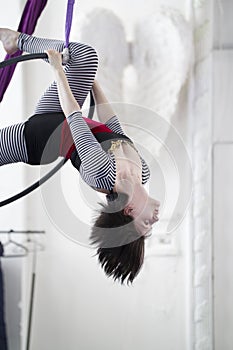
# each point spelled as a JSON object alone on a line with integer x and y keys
{"x": 9, "y": 40}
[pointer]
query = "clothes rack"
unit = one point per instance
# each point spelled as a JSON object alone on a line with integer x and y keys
{"x": 22, "y": 232}
{"x": 33, "y": 279}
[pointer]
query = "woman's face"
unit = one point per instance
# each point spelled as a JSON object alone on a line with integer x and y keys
{"x": 144, "y": 210}
{"x": 147, "y": 217}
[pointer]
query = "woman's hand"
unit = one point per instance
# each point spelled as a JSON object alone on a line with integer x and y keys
{"x": 55, "y": 59}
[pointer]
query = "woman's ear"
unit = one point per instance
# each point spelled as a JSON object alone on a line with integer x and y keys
{"x": 128, "y": 210}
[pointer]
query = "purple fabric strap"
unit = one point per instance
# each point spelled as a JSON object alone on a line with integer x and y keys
{"x": 31, "y": 13}
{"x": 69, "y": 16}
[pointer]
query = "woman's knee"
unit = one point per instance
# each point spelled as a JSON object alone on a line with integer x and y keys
{"x": 83, "y": 52}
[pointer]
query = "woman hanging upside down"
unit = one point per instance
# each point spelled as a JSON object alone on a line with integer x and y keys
{"x": 105, "y": 157}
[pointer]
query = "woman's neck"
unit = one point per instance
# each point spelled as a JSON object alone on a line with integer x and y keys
{"x": 128, "y": 185}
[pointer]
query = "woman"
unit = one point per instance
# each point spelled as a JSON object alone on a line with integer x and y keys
{"x": 105, "y": 157}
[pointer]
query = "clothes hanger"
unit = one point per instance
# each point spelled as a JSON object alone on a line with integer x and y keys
{"x": 23, "y": 250}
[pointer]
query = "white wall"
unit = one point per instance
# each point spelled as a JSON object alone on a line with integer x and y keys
{"x": 76, "y": 306}
{"x": 222, "y": 176}
{"x": 222, "y": 247}
{"x": 222, "y": 198}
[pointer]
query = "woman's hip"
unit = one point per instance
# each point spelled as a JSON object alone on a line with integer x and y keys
{"x": 42, "y": 134}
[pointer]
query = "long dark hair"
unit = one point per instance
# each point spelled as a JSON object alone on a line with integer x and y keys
{"x": 120, "y": 247}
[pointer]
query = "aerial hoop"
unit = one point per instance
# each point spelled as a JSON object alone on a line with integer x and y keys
{"x": 27, "y": 57}
{"x": 64, "y": 160}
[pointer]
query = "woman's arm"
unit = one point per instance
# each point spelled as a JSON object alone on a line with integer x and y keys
{"x": 66, "y": 98}
{"x": 95, "y": 161}
{"x": 104, "y": 109}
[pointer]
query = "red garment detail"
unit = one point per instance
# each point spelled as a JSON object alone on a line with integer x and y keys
{"x": 67, "y": 145}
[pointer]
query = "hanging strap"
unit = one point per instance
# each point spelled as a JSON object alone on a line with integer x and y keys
{"x": 69, "y": 17}
{"x": 65, "y": 52}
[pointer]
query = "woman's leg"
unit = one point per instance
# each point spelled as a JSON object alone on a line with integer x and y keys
{"x": 12, "y": 144}
{"x": 80, "y": 70}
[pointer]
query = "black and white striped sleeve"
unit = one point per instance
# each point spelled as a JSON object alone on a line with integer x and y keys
{"x": 95, "y": 161}
{"x": 145, "y": 171}
{"x": 115, "y": 125}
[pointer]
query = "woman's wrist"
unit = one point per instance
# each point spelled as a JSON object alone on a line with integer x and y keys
{"x": 58, "y": 71}
{"x": 95, "y": 85}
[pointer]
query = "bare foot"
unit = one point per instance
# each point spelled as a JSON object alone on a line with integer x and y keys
{"x": 9, "y": 40}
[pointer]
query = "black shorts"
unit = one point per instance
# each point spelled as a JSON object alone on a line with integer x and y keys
{"x": 43, "y": 135}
